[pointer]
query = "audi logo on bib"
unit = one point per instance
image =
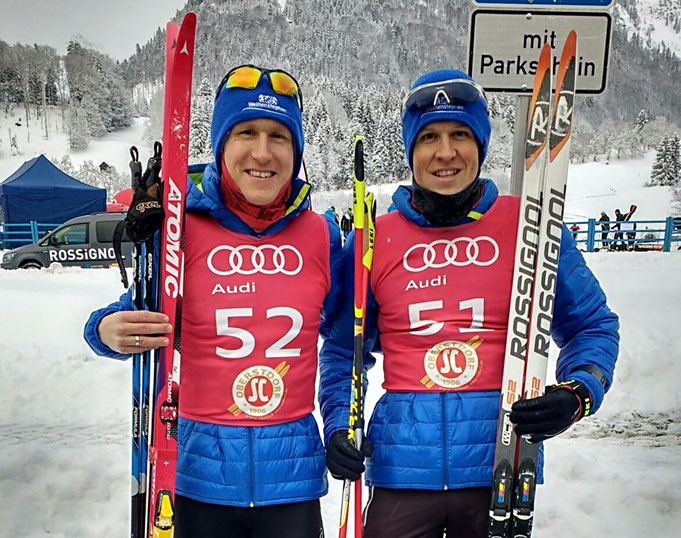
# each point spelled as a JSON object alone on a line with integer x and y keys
{"x": 226, "y": 260}
{"x": 459, "y": 252}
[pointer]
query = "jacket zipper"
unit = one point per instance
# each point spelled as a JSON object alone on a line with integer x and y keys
{"x": 445, "y": 474}
{"x": 251, "y": 468}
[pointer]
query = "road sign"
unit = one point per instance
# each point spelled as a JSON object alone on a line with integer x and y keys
{"x": 504, "y": 47}
{"x": 583, "y": 4}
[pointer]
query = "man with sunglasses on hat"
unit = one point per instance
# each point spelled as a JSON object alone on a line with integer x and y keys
{"x": 438, "y": 308}
{"x": 261, "y": 275}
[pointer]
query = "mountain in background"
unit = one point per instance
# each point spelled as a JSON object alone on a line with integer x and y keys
{"x": 355, "y": 59}
{"x": 356, "y": 43}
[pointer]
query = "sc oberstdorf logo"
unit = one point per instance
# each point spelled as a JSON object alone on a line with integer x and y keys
{"x": 459, "y": 252}
{"x": 259, "y": 390}
{"x": 226, "y": 260}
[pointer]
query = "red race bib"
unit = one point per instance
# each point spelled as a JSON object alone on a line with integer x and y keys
{"x": 443, "y": 296}
{"x": 250, "y": 321}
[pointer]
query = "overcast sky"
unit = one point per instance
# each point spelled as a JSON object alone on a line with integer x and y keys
{"x": 112, "y": 27}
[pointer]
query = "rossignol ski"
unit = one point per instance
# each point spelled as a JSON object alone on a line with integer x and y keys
{"x": 534, "y": 283}
{"x": 364, "y": 215}
{"x": 170, "y": 273}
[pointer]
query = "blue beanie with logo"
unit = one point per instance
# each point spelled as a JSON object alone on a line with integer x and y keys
{"x": 234, "y": 105}
{"x": 473, "y": 115}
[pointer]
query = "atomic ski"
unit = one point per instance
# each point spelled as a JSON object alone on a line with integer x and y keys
{"x": 534, "y": 283}
{"x": 163, "y": 449}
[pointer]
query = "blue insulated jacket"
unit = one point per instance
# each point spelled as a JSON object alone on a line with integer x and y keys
{"x": 446, "y": 440}
{"x": 238, "y": 465}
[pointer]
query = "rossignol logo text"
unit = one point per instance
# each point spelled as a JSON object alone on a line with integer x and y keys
{"x": 81, "y": 254}
{"x": 173, "y": 237}
{"x": 526, "y": 255}
{"x": 546, "y": 285}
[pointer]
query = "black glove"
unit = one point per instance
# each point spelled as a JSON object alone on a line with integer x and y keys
{"x": 547, "y": 416}
{"x": 146, "y": 214}
{"x": 343, "y": 460}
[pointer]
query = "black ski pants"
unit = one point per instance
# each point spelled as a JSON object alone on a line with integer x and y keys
{"x": 195, "y": 519}
{"x": 420, "y": 513}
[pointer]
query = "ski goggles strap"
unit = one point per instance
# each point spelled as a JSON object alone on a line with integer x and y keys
{"x": 248, "y": 76}
{"x": 451, "y": 91}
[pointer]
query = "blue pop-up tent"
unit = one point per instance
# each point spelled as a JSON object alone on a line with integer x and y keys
{"x": 39, "y": 191}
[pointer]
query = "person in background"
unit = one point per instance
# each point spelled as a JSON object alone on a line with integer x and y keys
{"x": 438, "y": 310}
{"x": 346, "y": 223}
{"x": 618, "y": 244}
{"x": 605, "y": 226}
{"x": 331, "y": 212}
{"x": 629, "y": 228}
{"x": 261, "y": 273}
{"x": 574, "y": 229}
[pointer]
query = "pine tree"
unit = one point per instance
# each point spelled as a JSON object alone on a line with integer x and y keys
{"x": 199, "y": 125}
{"x": 675, "y": 160}
{"x": 665, "y": 170}
{"x": 641, "y": 122}
{"x": 79, "y": 135}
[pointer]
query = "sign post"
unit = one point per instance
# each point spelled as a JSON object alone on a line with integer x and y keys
{"x": 505, "y": 43}
{"x": 505, "y": 37}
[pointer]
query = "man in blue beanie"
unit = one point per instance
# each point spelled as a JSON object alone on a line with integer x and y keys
{"x": 261, "y": 272}
{"x": 437, "y": 307}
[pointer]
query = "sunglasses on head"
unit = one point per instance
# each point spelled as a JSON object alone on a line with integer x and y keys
{"x": 458, "y": 90}
{"x": 248, "y": 77}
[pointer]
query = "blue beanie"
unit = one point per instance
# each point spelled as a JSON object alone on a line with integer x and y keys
{"x": 473, "y": 115}
{"x": 234, "y": 105}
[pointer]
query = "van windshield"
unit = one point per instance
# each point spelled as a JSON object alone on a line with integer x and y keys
{"x": 76, "y": 234}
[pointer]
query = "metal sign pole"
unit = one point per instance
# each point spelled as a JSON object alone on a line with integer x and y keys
{"x": 522, "y": 106}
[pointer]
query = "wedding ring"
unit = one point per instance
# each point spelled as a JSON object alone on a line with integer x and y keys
{"x": 137, "y": 340}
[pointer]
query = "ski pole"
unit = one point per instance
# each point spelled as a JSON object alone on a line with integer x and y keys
{"x": 367, "y": 258}
{"x": 363, "y": 257}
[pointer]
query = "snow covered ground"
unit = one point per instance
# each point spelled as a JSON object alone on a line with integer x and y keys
{"x": 64, "y": 448}
{"x": 64, "y": 413}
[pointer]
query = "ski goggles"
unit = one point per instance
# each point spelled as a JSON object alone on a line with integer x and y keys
{"x": 453, "y": 91}
{"x": 248, "y": 77}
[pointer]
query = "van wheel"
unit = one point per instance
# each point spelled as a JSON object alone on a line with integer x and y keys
{"x": 30, "y": 264}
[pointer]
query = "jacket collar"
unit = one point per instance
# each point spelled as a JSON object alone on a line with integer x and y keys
{"x": 402, "y": 202}
{"x": 204, "y": 195}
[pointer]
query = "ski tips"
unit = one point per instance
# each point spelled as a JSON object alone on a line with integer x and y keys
{"x": 564, "y": 98}
{"x": 538, "y": 116}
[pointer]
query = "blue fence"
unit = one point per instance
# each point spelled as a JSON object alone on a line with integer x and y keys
{"x": 15, "y": 235}
{"x": 663, "y": 235}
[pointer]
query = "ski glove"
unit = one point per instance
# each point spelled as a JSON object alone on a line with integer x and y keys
{"x": 551, "y": 414}
{"x": 343, "y": 460}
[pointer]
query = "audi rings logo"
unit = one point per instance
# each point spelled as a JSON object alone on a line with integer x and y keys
{"x": 460, "y": 252}
{"x": 226, "y": 260}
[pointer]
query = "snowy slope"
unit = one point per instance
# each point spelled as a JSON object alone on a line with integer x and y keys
{"x": 652, "y": 18}
{"x": 113, "y": 148}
